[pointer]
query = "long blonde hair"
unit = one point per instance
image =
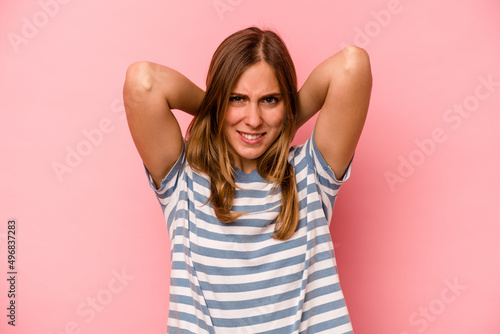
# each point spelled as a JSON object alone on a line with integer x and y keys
{"x": 207, "y": 148}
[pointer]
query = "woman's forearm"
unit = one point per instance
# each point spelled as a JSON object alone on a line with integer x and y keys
{"x": 327, "y": 80}
{"x": 313, "y": 93}
{"x": 179, "y": 92}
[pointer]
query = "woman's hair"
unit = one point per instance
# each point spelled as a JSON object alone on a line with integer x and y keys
{"x": 207, "y": 148}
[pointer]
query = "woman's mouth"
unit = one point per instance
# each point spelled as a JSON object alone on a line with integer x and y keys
{"x": 251, "y": 138}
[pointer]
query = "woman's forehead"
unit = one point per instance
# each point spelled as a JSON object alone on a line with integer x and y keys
{"x": 258, "y": 79}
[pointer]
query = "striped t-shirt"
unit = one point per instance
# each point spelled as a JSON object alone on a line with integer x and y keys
{"x": 235, "y": 278}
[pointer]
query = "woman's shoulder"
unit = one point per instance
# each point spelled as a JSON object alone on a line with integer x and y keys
{"x": 299, "y": 150}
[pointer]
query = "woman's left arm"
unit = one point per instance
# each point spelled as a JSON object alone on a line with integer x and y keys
{"x": 340, "y": 86}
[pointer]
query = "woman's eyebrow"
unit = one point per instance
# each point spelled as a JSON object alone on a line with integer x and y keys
{"x": 274, "y": 94}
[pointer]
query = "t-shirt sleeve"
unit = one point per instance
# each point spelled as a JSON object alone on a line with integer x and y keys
{"x": 327, "y": 184}
{"x": 316, "y": 161}
{"x": 170, "y": 183}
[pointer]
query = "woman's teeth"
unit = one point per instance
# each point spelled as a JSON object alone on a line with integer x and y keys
{"x": 250, "y": 137}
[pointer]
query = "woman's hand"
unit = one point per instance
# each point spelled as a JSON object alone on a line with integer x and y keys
{"x": 341, "y": 87}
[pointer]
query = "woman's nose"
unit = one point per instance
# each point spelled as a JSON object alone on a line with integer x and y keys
{"x": 253, "y": 115}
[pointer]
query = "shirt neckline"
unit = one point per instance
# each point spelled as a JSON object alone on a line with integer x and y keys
{"x": 253, "y": 176}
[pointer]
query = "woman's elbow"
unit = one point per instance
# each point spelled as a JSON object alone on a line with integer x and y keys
{"x": 356, "y": 59}
{"x": 139, "y": 76}
{"x": 138, "y": 84}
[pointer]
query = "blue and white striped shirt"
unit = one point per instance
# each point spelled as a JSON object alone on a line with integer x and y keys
{"x": 235, "y": 278}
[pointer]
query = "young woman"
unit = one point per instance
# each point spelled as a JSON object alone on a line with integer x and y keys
{"x": 247, "y": 215}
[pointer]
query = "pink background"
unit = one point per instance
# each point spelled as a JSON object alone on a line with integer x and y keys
{"x": 415, "y": 229}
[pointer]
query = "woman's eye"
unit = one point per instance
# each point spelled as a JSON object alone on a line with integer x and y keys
{"x": 236, "y": 99}
{"x": 270, "y": 100}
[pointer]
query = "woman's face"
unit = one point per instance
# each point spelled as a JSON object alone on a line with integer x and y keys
{"x": 254, "y": 116}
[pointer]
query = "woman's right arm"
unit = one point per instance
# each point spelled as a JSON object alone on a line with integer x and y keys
{"x": 149, "y": 93}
